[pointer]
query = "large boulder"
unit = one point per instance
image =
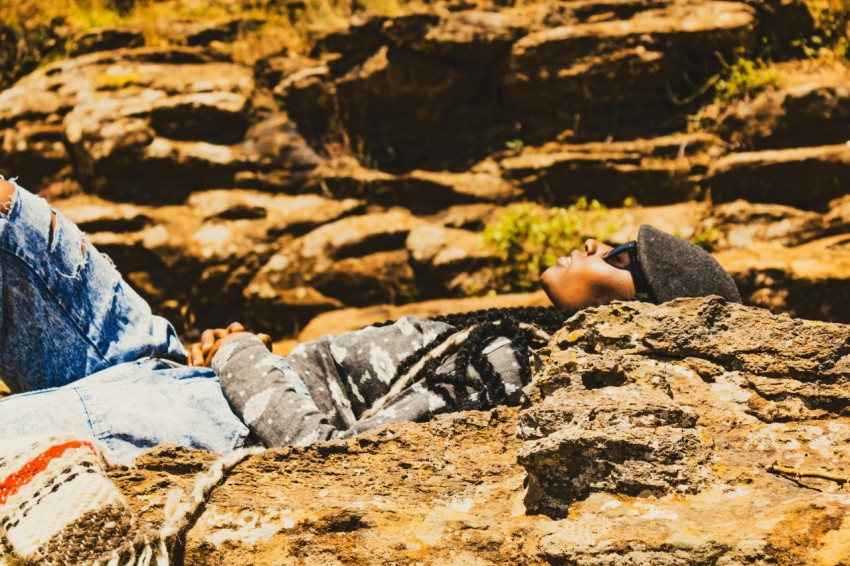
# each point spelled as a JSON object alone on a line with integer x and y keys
{"x": 393, "y": 85}
{"x": 808, "y": 280}
{"x": 693, "y": 432}
{"x": 617, "y": 76}
{"x": 149, "y": 124}
{"x": 681, "y": 405}
{"x": 812, "y": 110}
{"x": 193, "y": 262}
{"x": 354, "y": 261}
{"x": 804, "y": 177}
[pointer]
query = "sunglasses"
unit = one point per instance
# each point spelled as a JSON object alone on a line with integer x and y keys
{"x": 615, "y": 259}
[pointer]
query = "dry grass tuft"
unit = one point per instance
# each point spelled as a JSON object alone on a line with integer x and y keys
{"x": 292, "y": 25}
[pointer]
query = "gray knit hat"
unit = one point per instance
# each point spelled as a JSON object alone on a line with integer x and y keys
{"x": 674, "y": 267}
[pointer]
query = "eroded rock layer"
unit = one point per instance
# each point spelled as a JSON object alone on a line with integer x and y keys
{"x": 360, "y": 173}
{"x": 695, "y": 432}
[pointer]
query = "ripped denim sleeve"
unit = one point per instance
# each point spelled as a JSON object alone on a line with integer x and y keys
{"x": 269, "y": 397}
{"x": 65, "y": 310}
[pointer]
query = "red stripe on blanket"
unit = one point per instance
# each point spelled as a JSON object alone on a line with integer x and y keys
{"x": 14, "y": 482}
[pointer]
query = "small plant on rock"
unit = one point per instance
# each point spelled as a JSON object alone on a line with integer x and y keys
{"x": 830, "y": 39}
{"x": 744, "y": 78}
{"x": 707, "y": 239}
{"x": 515, "y": 145}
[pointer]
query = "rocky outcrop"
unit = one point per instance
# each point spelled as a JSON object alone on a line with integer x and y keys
{"x": 499, "y": 76}
{"x": 812, "y": 110}
{"x": 602, "y": 386}
{"x": 807, "y": 177}
{"x": 447, "y": 114}
{"x": 149, "y": 125}
{"x": 692, "y": 432}
{"x": 355, "y": 178}
{"x": 657, "y": 171}
{"x": 805, "y": 280}
{"x": 565, "y": 73}
{"x": 200, "y": 257}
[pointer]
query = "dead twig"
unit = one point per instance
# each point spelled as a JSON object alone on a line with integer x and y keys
{"x": 802, "y": 473}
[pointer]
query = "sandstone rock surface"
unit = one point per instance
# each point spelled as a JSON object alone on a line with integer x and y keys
{"x": 813, "y": 109}
{"x": 650, "y": 435}
{"x": 448, "y": 113}
{"x": 356, "y": 175}
{"x": 807, "y": 177}
{"x": 806, "y": 280}
{"x": 145, "y": 124}
{"x": 520, "y": 73}
{"x": 563, "y": 72}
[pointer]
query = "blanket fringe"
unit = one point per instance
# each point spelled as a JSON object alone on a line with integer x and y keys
{"x": 180, "y": 511}
{"x": 103, "y": 531}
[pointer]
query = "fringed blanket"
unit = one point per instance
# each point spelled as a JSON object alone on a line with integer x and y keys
{"x": 58, "y": 506}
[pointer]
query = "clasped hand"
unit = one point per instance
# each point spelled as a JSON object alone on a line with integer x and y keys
{"x": 202, "y": 353}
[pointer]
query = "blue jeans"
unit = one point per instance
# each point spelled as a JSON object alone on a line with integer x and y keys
{"x": 85, "y": 355}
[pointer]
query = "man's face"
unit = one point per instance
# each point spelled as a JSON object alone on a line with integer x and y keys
{"x": 585, "y": 279}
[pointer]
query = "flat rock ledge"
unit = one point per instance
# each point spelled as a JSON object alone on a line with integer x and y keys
{"x": 650, "y": 435}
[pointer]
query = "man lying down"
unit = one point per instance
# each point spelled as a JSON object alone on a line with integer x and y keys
{"x": 85, "y": 356}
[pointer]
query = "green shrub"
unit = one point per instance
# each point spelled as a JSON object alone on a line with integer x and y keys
{"x": 830, "y": 37}
{"x": 707, "y": 239}
{"x": 745, "y": 78}
{"x": 529, "y": 239}
{"x": 515, "y": 145}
